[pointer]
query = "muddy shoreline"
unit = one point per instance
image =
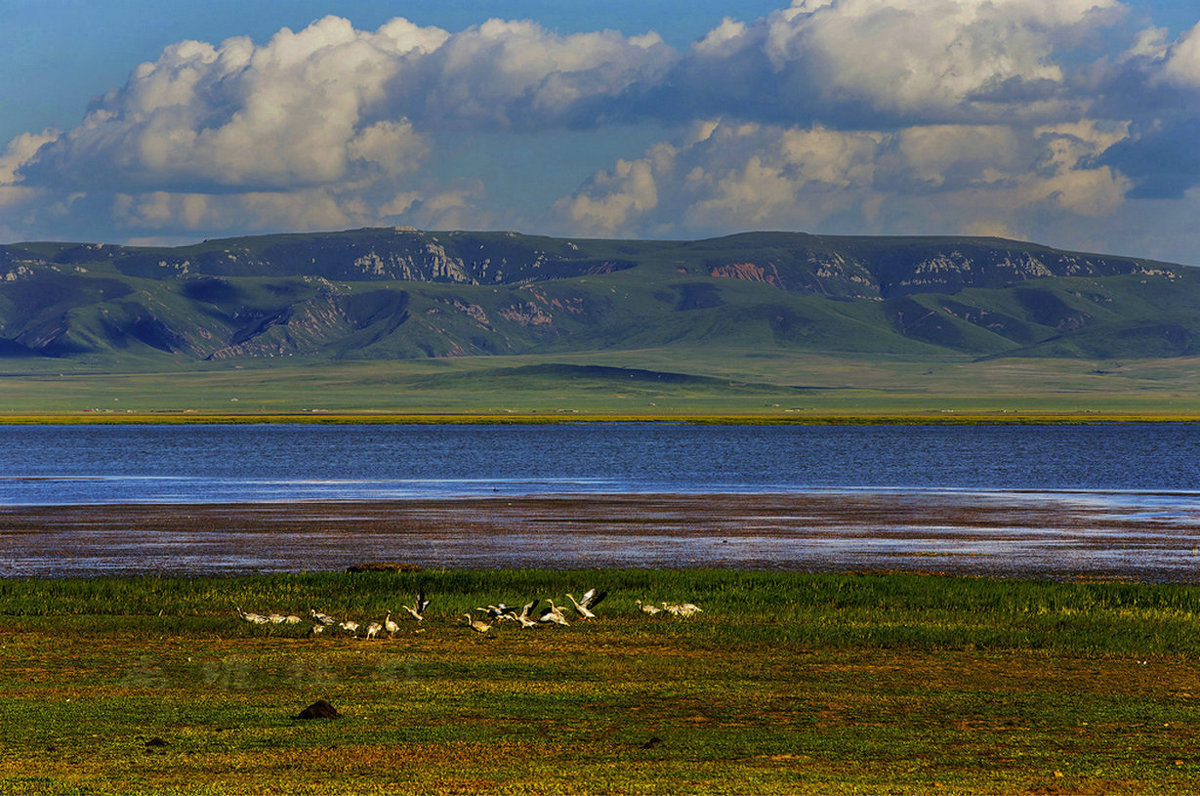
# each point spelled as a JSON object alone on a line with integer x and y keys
{"x": 1013, "y": 535}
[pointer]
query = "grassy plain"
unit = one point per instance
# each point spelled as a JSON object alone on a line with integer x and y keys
{"x": 786, "y": 683}
{"x": 752, "y": 384}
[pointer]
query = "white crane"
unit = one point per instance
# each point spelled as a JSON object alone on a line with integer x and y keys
{"x": 324, "y": 619}
{"x": 292, "y": 619}
{"x": 499, "y": 613}
{"x": 417, "y": 611}
{"x": 316, "y": 630}
{"x": 277, "y": 619}
{"x": 349, "y": 626}
{"x": 647, "y": 608}
{"x": 254, "y": 619}
{"x": 523, "y": 617}
{"x": 553, "y": 614}
{"x": 390, "y": 626}
{"x": 373, "y": 629}
{"x": 681, "y": 609}
{"x": 476, "y": 625}
{"x": 589, "y": 601}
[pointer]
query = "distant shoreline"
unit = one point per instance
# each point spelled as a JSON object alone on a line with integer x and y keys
{"x": 928, "y": 418}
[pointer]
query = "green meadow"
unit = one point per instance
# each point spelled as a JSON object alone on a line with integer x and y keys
{"x": 762, "y": 384}
{"x": 786, "y": 683}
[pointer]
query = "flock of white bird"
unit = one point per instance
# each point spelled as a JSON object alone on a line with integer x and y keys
{"x": 528, "y": 616}
{"x": 678, "y": 609}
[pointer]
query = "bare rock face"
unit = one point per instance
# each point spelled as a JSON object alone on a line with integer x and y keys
{"x": 319, "y": 710}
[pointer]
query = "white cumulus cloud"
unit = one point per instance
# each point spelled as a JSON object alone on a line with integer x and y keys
{"x": 754, "y": 176}
{"x": 847, "y": 115}
{"x": 290, "y": 113}
{"x": 843, "y": 60}
{"x": 1182, "y": 60}
{"x": 324, "y": 126}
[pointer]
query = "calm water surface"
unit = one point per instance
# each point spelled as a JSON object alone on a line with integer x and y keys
{"x": 1057, "y": 501}
{"x": 62, "y": 465}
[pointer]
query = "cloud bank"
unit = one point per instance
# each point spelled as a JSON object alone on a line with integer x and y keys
{"x": 1014, "y": 117}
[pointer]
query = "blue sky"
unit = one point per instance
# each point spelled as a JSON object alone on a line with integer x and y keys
{"x": 1070, "y": 122}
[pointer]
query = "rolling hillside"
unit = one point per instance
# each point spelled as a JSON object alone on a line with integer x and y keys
{"x": 379, "y": 294}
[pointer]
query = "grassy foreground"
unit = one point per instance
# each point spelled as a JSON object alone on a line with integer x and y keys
{"x": 786, "y": 683}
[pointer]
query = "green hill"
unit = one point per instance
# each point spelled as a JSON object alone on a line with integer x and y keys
{"x": 383, "y": 294}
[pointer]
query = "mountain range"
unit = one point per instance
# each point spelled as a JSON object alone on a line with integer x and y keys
{"x": 392, "y": 293}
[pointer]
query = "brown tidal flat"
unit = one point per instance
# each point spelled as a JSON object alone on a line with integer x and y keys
{"x": 1007, "y": 535}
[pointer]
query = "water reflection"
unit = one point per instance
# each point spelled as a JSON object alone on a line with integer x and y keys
{"x": 829, "y": 531}
{"x": 1105, "y": 500}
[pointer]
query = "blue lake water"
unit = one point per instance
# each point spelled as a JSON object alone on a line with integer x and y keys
{"x": 63, "y": 465}
{"x": 1102, "y": 500}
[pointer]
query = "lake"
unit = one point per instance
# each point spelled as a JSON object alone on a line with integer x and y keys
{"x": 57, "y": 465}
{"x": 1111, "y": 499}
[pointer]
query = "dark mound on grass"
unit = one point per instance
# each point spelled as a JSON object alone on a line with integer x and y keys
{"x": 319, "y": 710}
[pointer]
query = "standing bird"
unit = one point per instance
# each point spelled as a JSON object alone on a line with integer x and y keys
{"x": 373, "y": 629}
{"x": 684, "y": 609}
{"x": 390, "y": 626}
{"x": 349, "y": 626}
{"x": 254, "y": 619}
{"x": 324, "y": 619}
{"x": 476, "y": 625}
{"x": 647, "y": 608}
